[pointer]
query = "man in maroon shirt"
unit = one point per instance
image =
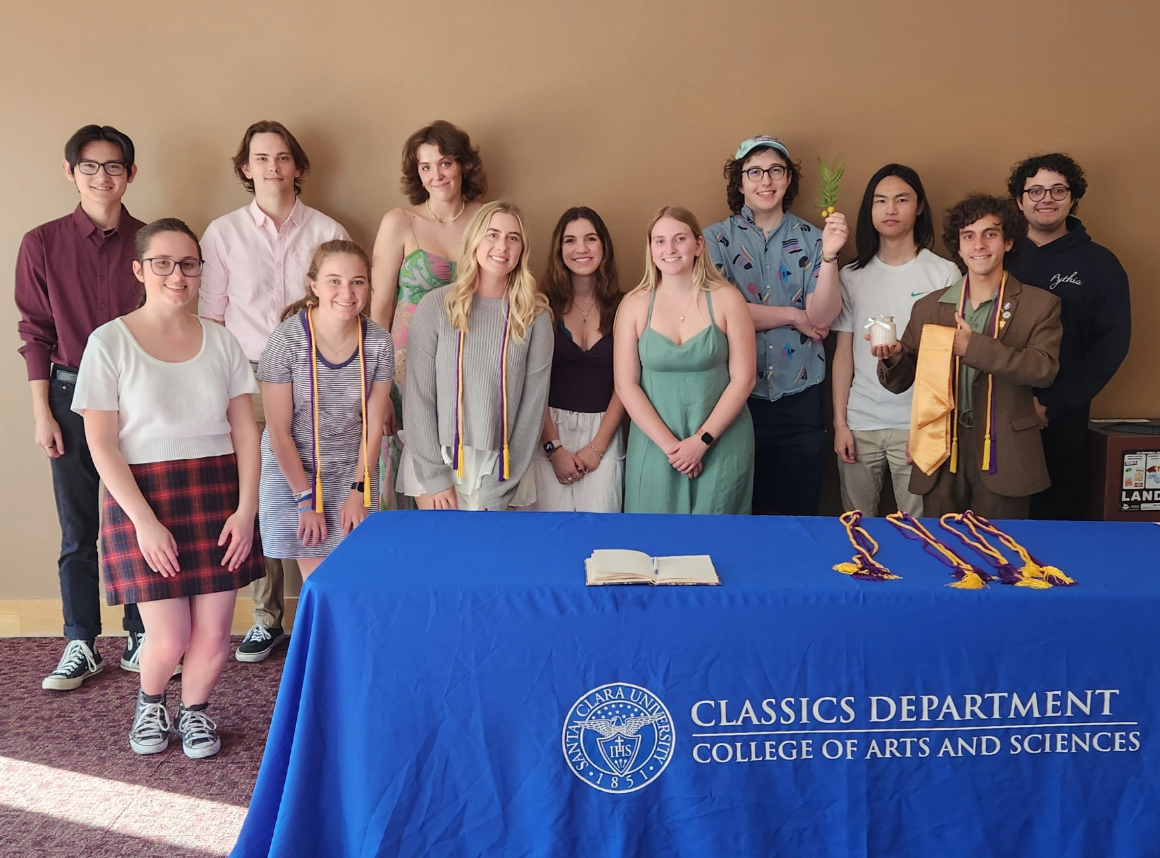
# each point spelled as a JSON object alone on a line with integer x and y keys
{"x": 73, "y": 275}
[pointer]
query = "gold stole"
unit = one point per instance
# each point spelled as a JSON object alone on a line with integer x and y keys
{"x": 933, "y": 410}
{"x": 934, "y": 414}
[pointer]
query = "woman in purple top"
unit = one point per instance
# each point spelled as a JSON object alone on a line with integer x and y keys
{"x": 581, "y": 464}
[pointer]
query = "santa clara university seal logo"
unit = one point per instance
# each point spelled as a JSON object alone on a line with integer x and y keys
{"x": 618, "y": 737}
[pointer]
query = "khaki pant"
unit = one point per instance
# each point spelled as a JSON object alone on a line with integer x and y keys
{"x": 965, "y": 490}
{"x": 877, "y": 451}
{"x": 268, "y": 593}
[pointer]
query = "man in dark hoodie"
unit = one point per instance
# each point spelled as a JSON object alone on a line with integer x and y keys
{"x": 1058, "y": 255}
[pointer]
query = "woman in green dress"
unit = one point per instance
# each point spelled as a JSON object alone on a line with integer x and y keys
{"x": 685, "y": 365}
{"x": 416, "y": 250}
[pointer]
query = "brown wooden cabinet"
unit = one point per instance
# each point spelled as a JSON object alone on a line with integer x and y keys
{"x": 1123, "y": 470}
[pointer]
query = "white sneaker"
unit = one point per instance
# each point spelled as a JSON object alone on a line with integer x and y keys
{"x": 150, "y": 733}
{"x": 76, "y": 665}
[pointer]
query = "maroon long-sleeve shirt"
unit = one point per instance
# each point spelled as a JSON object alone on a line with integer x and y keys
{"x": 71, "y": 278}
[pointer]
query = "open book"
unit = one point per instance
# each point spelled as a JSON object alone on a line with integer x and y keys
{"x": 621, "y": 566}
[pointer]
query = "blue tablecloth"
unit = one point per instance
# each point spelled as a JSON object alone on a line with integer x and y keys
{"x": 453, "y": 689}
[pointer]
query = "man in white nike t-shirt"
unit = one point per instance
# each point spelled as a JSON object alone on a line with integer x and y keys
{"x": 895, "y": 267}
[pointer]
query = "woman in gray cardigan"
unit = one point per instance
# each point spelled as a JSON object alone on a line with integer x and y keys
{"x": 479, "y": 361}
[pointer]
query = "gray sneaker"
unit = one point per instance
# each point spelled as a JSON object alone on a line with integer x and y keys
{"x": 199, "y": 738}
{"x": 77, "y": 664}
{"x": 150, "y": 733}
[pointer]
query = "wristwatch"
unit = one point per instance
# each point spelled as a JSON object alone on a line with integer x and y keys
{"x": 551, "y": 447}
{"x": 707, "y": 439}
{"x": 358, "y": 487}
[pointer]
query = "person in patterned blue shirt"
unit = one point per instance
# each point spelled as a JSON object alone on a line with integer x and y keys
{"x": 787, "y": 269}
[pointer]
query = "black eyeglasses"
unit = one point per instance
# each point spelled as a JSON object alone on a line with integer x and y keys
{"x": 163, "y": 266}
{"x": 91, "y": 168}
{"x": 1037, "y": 192}
{"x": 777, "y": 171}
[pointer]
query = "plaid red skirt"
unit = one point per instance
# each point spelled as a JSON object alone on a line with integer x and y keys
{"x": 193, "y": 498}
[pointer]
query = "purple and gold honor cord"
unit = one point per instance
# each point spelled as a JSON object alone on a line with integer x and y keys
{"x": 311, "y": 344}
{"x": 966, "y": 575}
{"x": 1007, "y": 573}
{"x": 993, "y": 328}
{"x": 863, "y": 567}
{"x": 1032, "y": 568}
{"x": 457, "y": 456}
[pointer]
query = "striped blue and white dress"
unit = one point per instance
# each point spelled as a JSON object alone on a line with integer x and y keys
{"x": 286, "y": 360}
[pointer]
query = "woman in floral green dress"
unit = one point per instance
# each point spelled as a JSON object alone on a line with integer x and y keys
{"x": 416, "y": 250}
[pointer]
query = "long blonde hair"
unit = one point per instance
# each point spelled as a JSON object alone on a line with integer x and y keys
{"x": 321, "y": 254}
{"x": 705, "y": 273}
{"x": 527, "y": 301}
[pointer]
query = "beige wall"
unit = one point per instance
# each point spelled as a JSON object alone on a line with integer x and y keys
{"x": 619, "y": 105}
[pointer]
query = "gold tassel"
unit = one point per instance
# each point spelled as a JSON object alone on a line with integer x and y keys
{"x": 970, "y": 581}
{"x": 1057, "y": 576}
{"x": 1033, "y": 583}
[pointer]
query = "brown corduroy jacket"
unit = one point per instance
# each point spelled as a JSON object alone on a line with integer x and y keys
{"x": 1024, "y": 355}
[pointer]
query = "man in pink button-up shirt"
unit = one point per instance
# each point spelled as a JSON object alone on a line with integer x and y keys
{"x": 256, "y": 259}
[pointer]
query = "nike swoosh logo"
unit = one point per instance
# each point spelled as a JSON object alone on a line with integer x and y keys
{"x": 916, "y": 294}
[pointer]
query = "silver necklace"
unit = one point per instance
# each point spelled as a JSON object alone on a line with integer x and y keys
{"x": 584, "y": 313}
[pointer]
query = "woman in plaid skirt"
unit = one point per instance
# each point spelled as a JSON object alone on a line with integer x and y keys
{"x": 168, "y": 417}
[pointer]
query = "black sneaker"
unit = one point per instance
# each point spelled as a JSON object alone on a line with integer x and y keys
{"x": 150, "y": 733}
{"x": 199, "y": 738}
{"x": 131, "y": 658}
{"x": 259, "y": 642}
{"x": 78, "y": 663}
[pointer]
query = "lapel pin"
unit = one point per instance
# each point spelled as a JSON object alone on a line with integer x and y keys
{"x": 1007, "y": 306}
{"x": 1006, "y": 314}
{"x": 1002, "y": 324}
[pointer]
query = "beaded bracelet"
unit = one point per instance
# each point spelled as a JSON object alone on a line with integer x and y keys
{"x": 592, "y": 447}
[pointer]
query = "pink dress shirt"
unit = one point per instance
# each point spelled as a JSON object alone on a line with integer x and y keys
{"x": 253, "y": 270}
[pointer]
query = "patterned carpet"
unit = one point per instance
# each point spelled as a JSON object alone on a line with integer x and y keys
{"x": 71, "y": 787}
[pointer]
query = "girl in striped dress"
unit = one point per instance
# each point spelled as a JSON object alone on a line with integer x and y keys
{"x": 326, "y": 378}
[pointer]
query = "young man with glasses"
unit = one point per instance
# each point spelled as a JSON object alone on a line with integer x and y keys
{"x": 73, "y": 275}
{"x": 1058, "y": 255}
{"x": 256, "y": 259}
{"x": 787, "y": 269}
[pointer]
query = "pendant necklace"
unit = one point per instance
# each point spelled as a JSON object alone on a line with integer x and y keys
{"x": 462, "y": 206}
{"x": 687, "y": 306}
{"x": 337, "y": 353}
{"x": 583, "y": 313}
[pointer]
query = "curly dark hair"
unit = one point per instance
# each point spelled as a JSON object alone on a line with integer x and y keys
{"x": 269, "y": 126}
{"x": 973, "y": 207}
{"x": 734, "y": 168}
{"x": 453, "y": 143}
{"x": 1056, "y": 162}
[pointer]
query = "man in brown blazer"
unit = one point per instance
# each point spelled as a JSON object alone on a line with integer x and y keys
{"x": 1006, "y": 342}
